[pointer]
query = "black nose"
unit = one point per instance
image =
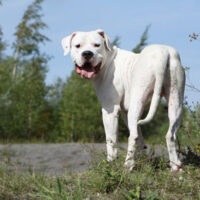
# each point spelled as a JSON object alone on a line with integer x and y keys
{"x": 87, "y": 55}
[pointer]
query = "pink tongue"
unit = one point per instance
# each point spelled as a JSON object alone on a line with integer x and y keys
{"x": 84, "y": 73}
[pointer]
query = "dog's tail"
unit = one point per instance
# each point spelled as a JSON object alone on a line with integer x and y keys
{"x": 159, "y": 79}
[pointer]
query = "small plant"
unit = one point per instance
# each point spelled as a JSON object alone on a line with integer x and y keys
{"x": 109, "y": 175}
{"x": 152, "y": 195}
{"x": 191, "y": 157}
{"x": 190, "y": 135}
{"x": 132, "y": 194}
{"x": 197, "y": 148}
{"x": 159, "y": 163}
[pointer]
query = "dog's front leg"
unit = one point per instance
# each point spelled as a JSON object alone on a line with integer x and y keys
{"x": 110, "y": 121}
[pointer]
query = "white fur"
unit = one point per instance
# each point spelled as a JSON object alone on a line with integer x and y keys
{"x": 126, "y": 82}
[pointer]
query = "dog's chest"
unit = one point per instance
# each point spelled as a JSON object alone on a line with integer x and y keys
{"x": 125, "y": 101}
{"x": 113, "y": 85}
{"x": 113, "y": 91}
{"x": 110, "y": 92}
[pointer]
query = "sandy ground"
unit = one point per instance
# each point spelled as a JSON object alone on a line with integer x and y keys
{"x": 56, "y": 159}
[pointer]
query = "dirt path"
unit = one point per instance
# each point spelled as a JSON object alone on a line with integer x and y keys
{"x": 55, "y": 159}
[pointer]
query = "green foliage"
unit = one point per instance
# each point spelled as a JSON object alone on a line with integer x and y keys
{"x": 55, "y": 92}
{"x": 191, "y": 156}
{"x": 155, "y": 131}
{"x": 143, "y": 41}
{"x": 109, "y": 175}
{"x": 116, "y": 41}
{"x": 189, "y": 135}
{"x": 23, "y": 89}
{"x": 28, "y": 36}
{"x": 131, "y": 194}
{"x": 29, "y": 90}
{"x": 80, "y": 111}
{"x": 191, "y": 123}
{"x": 2, "y": 45}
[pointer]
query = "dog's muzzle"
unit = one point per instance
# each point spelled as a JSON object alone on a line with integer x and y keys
{"x": 87, "y": 70}
{"x": 87, "y": 55}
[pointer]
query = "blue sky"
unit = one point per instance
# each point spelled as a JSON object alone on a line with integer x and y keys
{"x": 171, "y": 23}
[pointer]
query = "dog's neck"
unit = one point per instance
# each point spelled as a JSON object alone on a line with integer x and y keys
{"x": 105, "y": 76}
{"x": 112, "y": 56}
{"x": 107, "y": 65}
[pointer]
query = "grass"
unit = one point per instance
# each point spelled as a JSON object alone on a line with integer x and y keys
{"x": 151, "y": 179}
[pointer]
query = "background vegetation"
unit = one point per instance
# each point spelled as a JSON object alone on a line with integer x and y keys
{"x": 67, "y": 110}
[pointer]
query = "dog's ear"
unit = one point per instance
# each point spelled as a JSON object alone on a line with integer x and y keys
{"x": 106, "y": 38}
{"x": 66, "y": 43}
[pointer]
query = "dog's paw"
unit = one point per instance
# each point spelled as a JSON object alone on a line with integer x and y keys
{"x": 111, "y": 158}
{"x": 176, "y": 168}
{"x": 129, "y": 165}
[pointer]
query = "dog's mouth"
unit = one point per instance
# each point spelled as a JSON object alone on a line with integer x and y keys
{"x": 88, "y": 70}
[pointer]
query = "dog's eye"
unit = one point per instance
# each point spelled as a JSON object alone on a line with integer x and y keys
{"x": 97, "y": 45}
{"x": 78, "y": 46}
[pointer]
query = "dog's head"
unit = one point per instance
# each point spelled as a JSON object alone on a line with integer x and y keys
{"x": 88, "y": 51}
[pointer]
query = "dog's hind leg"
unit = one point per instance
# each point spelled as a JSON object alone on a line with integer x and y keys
{"x": 140, "y": 141}
{"x": 135, "y": 111}
{"x": 175, "y": 115}
{"x": 174, "y": 94}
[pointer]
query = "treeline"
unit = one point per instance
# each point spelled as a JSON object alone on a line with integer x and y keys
{"x": 65, "y": 111}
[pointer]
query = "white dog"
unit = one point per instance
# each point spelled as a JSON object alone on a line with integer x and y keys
{"x": 126, "y": 82}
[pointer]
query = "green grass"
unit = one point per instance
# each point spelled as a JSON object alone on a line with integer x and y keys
{"x": 151, "y": 179}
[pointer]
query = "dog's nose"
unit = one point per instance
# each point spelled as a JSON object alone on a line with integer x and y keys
{"x": 87, "y": 55}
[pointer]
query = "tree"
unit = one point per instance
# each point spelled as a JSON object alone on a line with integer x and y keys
{"x": 116, "y": 41}
{"x": 27, "y": 92}
{"x": 2, "y": 45}
{"x": 29, "y": 38}
{"x": 54, "y": 94}
{"x": 80, "y": 111}
{"x": 4, "y": 71}
{"x": 143, "y": 41}
{"x": 5, "y": 66}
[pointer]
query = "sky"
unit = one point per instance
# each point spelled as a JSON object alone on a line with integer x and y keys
{"x": 171, "y": 23}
